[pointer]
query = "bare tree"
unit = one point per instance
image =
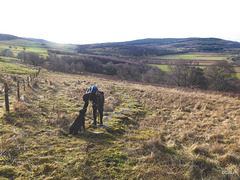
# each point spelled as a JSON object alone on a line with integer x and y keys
{"x": 180, "y": 72}
{"x": 220, "y": 75}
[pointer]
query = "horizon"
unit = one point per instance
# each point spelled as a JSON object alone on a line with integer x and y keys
{"x": 90, "y": 22}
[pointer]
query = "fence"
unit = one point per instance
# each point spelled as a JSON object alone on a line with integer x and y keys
{"x": 6, "y": 94}
{"x": 7, "y": 91}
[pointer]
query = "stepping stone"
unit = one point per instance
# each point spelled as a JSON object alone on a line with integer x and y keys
{"x": 120, "y": 93}
{"x": 105, "y": 126}
{"x": 96, "y": 132}
{"x": 107, "y": 117}
{"x": 127, "y": 109}
{"x": 109, "y": 122}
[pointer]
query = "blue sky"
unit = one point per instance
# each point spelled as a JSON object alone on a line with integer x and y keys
{"x": 95, "y": 21}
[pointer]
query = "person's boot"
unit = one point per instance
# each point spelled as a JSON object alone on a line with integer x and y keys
{"x": 101, "y": 123}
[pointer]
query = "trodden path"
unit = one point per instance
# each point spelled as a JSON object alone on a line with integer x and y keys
{"x": 123, "y": 114}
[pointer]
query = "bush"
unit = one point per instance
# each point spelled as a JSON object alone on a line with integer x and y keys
{"x": 34, "y": 59}
{"x": 7, "y": 53}
{"x": 153, "y": 75}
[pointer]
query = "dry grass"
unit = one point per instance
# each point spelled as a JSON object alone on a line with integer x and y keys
{"x": 169, "y": 134}
{"x": 205, "y": 124}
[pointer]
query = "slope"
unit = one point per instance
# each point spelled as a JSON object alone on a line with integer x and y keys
{"x": 159, "y": 47}
{"x": 151, "y": 132}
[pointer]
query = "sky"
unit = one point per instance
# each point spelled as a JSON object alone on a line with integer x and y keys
{"x": 99, "y": 21}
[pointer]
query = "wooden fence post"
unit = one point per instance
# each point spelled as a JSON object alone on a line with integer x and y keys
{"x": 6, "y": 97}
{"x": 18, "y": 91}
{"x": 28, "y": 81}
{"x": 24, "y": 88}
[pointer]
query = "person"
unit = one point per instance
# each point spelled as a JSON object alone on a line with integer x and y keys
{"x": 97, "y": 99}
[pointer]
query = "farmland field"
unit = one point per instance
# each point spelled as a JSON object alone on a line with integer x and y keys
{"x": 166, "y": 69}
{"x": 162, "y": 67}
{"x": 197, "y": 56}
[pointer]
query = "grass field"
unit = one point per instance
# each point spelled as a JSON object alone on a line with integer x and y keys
{"x": 162, "y": 67}
{"x": 153, "y": 133}
{"x": 199, "y": 56}
{"x": 20, "y": 45}
{"x": 166, "y": 69}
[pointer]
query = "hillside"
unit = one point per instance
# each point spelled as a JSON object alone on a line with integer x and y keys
{"x": 26, "y": 45}
{"x": 4, "y": 37}
{"x": 160, "y": 47}
{"x": 150, "y": 132}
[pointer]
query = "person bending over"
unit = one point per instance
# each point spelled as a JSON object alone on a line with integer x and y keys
{"x": 97, "y": 99}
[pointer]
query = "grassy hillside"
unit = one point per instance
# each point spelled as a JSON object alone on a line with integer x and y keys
{"x": 17, "y": 44}
{"x": 150, "y": 133}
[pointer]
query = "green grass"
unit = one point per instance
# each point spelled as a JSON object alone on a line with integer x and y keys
{"x": 162, "y": 67}
{"x": 18, "y": 45}
{"x": 204, "y": 56}
{"x": 238, "y": 75}
{"x": 15, "y": 69}
{"x": 166, "y": 69}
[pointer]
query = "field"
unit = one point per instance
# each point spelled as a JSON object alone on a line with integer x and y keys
{"x": 19, "y": 45}
{"x": 150, "y": 132}
{"x": 195, "y": 56}
{"x": 202, "y": 59}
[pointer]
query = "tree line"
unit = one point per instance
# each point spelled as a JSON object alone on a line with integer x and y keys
{"x": 220, "y": 77}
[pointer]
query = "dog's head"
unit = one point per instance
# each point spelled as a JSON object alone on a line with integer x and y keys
{"x": 82, "y": 112}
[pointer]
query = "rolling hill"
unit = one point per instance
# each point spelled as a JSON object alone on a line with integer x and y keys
{"x": 159, "y": 47}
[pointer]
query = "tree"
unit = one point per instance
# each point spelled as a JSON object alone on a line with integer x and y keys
{"x": 180, "y": 73}
{"x": 187, "y": 75}
{"x": 110, "y": 69}
{"x": 154, "y": 75}
{"x": 7, "y": 53}
{"x": 196, "y": 78}
{"x": 220, "y": 76}
{"x": 21, "y": 55}
{"x": 34, "y": 59}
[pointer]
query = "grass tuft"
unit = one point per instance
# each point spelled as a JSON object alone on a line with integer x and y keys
{"x": 8, "y": 172}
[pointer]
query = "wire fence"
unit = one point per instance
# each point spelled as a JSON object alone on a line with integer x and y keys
{"x": 4, "y": 99}
{"x": 23, "y": 84}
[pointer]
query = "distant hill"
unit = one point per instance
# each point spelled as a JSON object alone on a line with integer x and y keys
{"x": 38, "y": 40}
{"x": 158, "y": 47}
{"x": 5, "y": 37}
{"x": 133, "y": 49}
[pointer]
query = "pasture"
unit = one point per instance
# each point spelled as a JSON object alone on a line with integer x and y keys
{"x": 195, "y": 56}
